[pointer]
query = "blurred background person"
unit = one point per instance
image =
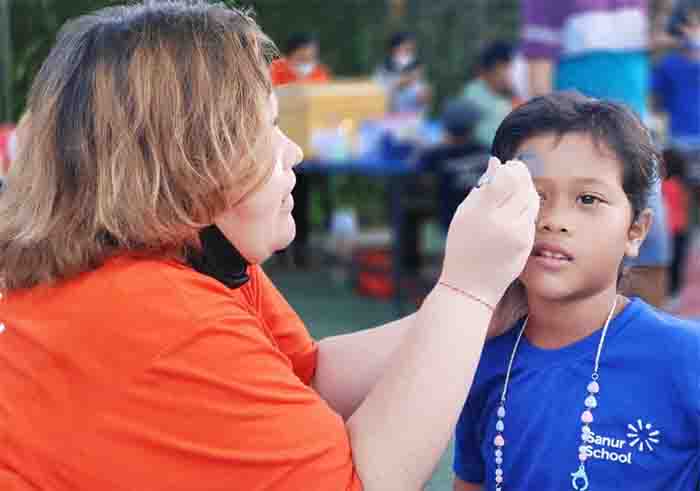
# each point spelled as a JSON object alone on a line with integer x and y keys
{"x": 402, "y": 76}
{"x": 676, "y": 199}
{"x": 301, "y": 64}
{"x": 457, "y": 163}
{"x": 599, "y": 47}
{"x": 492, "y": 89}
{"x": 8, "y": 146}
{"x": 460, "y": 160}
{"x": 6, "y": 136}
{"x": 676, "y": 86}
{"x": 413, "y": 95}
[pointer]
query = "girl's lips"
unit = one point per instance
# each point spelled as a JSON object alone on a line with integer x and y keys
{"x": 550, "y": 263}
{"x": 550, "y": 250}
{"x": 550, "y": 256}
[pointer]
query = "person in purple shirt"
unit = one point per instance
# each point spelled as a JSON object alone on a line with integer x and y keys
{"x": 599, "y": 48}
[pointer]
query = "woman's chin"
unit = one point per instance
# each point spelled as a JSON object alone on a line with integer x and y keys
{"x": 287, "y": 233}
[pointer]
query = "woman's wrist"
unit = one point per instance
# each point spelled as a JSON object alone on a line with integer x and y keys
{"x": 466, "y": 294}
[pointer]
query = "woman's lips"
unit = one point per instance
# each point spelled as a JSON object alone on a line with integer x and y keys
{"x": 288, "y": 203}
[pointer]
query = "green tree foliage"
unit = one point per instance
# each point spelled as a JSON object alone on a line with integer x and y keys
{"x": 352, "y": 33}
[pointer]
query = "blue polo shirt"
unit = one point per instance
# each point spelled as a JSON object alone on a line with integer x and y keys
{"x": 646, "y": 425}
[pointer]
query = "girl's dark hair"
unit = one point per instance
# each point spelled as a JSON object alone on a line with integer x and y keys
{"x": 612, "y": 126}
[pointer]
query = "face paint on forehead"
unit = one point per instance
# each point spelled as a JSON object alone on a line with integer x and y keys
{"x": 528, "y": 157}
{"x": 532, "y": 161}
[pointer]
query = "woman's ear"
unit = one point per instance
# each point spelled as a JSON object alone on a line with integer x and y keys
{"x": 638, "y": 232}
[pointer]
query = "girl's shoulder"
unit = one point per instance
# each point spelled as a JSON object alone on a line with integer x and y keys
{"x": 662, "y": 323}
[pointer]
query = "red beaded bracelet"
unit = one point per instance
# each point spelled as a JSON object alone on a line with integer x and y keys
{"x": 469, "y": 295}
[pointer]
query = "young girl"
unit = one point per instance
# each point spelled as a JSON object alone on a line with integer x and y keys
{"x": 592, "y": 390}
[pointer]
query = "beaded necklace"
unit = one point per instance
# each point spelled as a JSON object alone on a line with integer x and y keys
{"x": 579, "y": 479}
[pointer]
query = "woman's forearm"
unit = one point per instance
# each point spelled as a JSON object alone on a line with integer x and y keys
{"x": 402, "y": 427}
{"x": 350, "y": 365}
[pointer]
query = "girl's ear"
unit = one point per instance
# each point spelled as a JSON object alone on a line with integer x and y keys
{"x": 638, "y": 232}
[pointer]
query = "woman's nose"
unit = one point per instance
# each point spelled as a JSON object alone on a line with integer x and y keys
{"x": 293, "y": 154}
{"x": 297, "y": 153}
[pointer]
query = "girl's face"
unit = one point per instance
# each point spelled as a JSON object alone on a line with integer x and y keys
{"x": 262, "y": 223}
{"x": 585, "y": 226}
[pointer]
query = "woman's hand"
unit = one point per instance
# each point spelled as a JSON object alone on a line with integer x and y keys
{"x": 492, "y": 233}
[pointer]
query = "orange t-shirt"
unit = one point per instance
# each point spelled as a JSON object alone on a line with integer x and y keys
{"x": 282, "y": 73}
{"x": 146, "y": 375}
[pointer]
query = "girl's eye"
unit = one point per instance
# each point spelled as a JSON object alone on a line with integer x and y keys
{"x": 589, "y": 199}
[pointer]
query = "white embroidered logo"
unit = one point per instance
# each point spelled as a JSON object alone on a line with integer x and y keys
{"x": 2, "y": 327}
{"x": 608, "y": 448}
{"x": 643, "y": 436}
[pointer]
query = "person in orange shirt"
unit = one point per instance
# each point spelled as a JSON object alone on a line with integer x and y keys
{"x": 301, "y": 64}
{"x": 142, "y": 346}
